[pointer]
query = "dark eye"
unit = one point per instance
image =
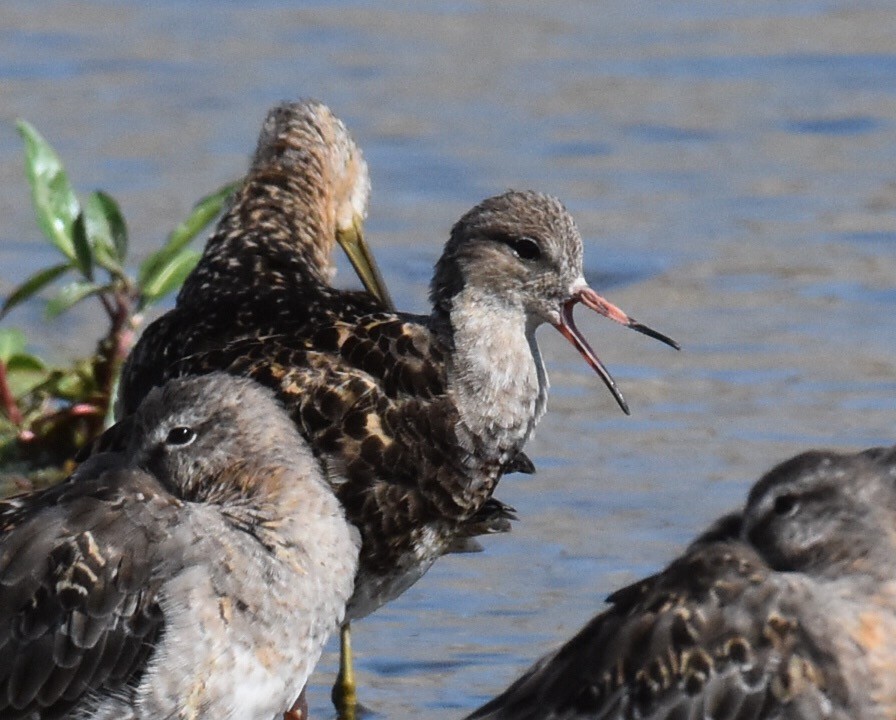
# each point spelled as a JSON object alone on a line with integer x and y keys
{"x": 522, "y": 246}
{"x": 786, "y": 504}
{"x": 180, "y": 436}
{"x": 526, "y": 248}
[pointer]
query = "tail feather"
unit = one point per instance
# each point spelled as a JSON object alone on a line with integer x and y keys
{"x": 493, "y": 517}
{"x": 520, "y": 463}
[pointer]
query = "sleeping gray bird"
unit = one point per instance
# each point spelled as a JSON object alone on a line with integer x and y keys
{"x": 195, "y": 575}
{"x": 786, "y": 610}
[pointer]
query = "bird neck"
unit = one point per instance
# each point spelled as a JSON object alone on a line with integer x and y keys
{"x": 278, "y": 504}
{"x": 495, "y": 372}
{"x": 280, "y": 226}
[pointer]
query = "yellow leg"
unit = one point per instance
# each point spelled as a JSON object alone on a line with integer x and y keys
{"x": 345, "y": 692}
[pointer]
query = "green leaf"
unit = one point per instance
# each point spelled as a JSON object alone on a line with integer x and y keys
{"x": 12, "y": 342}
{"x": 75, "y": 383}
{"x": 107, "y": 231}
{"x": 55, "y": 204}
{"x": 83, "y": 251}
{"x": 25, "y": 373}
{"x": 169, "y": 276}
{"x": 204, "y": 212}
{"x": 22, "y": 383}
{"x": 151, "y": 266}
{"x": 25, "y": 362}
{"x": 68, "y": 384}
{"x": 71, "y": 295}
{"x": 32, "y": 285}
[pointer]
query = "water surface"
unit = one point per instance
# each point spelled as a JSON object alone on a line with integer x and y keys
{"x": 733, "y": 171}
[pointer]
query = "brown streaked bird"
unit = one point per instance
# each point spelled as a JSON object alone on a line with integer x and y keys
{"x": 786, "y": 610}
{"x": 163, "y": 581}
{"x": 414, "y": 418}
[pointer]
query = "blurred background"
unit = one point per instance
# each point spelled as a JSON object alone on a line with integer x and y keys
{"x": 732, "y": 167}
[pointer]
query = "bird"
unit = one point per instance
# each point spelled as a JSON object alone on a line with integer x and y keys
{"x": 413, "y": 417}
{"x": 786, "y": 609}
{"x": 195, "y": 574}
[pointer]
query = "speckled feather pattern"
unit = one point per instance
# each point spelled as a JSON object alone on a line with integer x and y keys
{"x": 187, "y": 581}
{"x": 786, "y": 610}
{"x": 414, "y": 418}
{"x": 271, "y": 255}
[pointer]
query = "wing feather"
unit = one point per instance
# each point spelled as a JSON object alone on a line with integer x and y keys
{"x": 370, "y": 398}
{"x": 717, "y": 635}
{"x": 78, "y": 592}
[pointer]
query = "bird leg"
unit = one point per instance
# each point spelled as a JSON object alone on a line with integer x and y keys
{"x": 345, "y": 691}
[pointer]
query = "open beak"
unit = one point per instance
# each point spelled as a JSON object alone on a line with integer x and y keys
{"x": 352, "y": 242}
{"x": 567, "y": 327}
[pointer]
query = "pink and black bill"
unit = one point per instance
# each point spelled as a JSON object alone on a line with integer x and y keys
{"x": 567, "y": 327}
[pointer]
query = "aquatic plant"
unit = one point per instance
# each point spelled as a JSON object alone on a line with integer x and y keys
{"x": 47, "y": 412}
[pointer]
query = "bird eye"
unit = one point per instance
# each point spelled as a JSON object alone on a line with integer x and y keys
{"x": 180, "y": 436}
{"x": 786, "y": 504}
{"x": 525, "y": 248}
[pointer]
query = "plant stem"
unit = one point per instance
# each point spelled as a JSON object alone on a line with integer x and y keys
{"x": 9, "y": 404}
{"x": 111, "y": 350}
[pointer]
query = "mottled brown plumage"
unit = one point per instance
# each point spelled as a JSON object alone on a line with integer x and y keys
{"x": 162, "y": 580}
{"x": 414, "y": 418}
{"x": 787, "y": 610}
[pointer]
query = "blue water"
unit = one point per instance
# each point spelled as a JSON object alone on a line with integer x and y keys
{"x": 731, "y": 168}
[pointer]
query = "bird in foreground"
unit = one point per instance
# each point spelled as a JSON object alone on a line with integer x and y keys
{"x": 414, "y": 418}
{"x": 786, "y": 610}
{"x": 196, "y": 574}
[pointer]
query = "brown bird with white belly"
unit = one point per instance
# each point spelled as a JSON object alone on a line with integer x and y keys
{"x": 414, "y": 418}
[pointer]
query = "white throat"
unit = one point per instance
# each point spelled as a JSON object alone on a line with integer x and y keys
{"x": 496, "y": 374}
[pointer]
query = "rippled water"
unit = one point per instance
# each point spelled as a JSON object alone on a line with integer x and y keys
{"x": 732, "y": 168}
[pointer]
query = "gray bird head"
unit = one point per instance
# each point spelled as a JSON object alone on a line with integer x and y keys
{"x": 522, "y": 250}
{"x": 192, "y": 430}
{"x": 826, "y": 513}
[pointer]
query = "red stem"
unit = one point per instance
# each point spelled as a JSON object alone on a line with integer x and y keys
{"x": 111, "y": 350}
{"x": 107, "y": 306}
{"x": 10, "y": 406}
{"x": 77, "y": 410}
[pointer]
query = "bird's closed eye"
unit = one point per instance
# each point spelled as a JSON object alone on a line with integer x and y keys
{"x": 786, "y": 504}
{"x": 180, "y": 436}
